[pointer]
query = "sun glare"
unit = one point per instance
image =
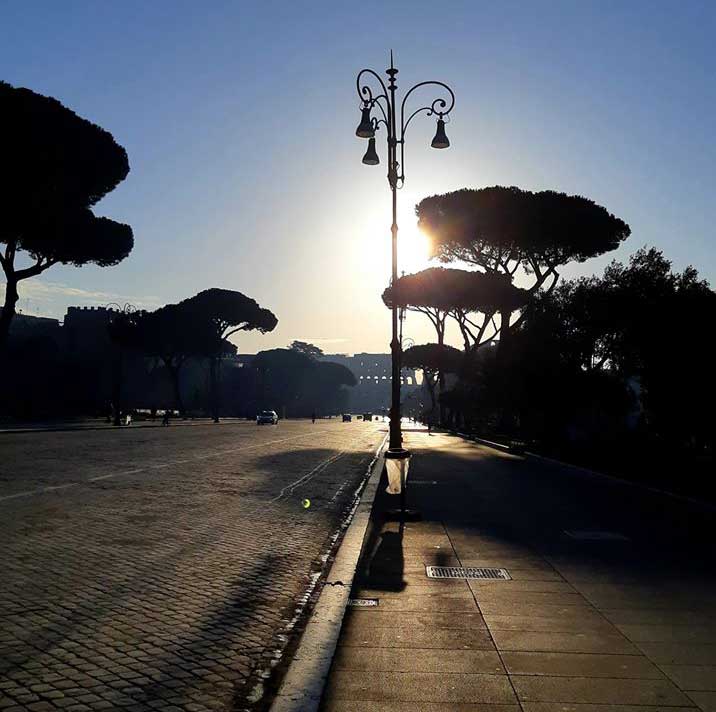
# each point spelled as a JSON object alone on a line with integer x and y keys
{"x": 413, "y": 249}
{"x": 413, "y": 246}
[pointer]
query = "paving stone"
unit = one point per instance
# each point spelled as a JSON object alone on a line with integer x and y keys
{"x": 529, "y": 586}
{"x": 373, "y": 706}
{"x": 425, "y": 660}
{"x": 671, "y": 617}
{"x": 162, "y": 582}
{"x": 425, "y": 637}
{"x": 581, "y": 665}
{"x": 581, "y": 624}
{"x": 419, "y": 687}
{"x": 535, "y": 610}
{"x": 567, "y": 707}
{"x": 705, "y": 700}
{"x": 423, "y": 604}
{"x": 692, "y": 677}
{"x": 668, "y": 633}
{"x": 593, "y": 690}
{"x": 377, "y": 618}
{"x": 504, "y": 596}
{"x": 679, "y": 653}
{"x": 590, "y": 642}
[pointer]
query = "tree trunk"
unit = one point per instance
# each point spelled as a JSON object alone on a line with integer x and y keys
{"x": 505, "y": 334}
{"x": 214, "y": 388}
{"x": 8, "y": 311}
{"x": 430, "y": 384}
{"x": 441, "y": 409}
{"x": 117, "y": 385}
{"x": 506, "y": 421}
{"x": 174, "y": 375}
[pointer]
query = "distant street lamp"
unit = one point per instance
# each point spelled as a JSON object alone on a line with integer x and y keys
{"x": 395, "y": 134}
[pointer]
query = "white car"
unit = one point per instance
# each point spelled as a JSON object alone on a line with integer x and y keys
{"x": 267, "y": 417}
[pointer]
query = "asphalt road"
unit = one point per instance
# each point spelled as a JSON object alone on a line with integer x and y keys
{"x": 160, "y": 568}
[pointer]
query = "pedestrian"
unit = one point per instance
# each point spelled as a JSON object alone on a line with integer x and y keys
{"x": 313, "y": 417}
{"x": 165, "y": 418}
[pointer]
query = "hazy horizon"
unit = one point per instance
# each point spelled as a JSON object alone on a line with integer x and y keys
{"x": 246, "y": 174}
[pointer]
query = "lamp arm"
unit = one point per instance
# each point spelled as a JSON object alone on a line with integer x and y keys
{"x": 366, "y": 94}
{"x": 439, "y": 106}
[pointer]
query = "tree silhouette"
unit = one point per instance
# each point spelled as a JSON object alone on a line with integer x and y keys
{"x": 214, "y": 316}
{"x": 434, "y": 360}
{"x": 504, "y": 230}
{"x": 471, "y": 298}
{"x": 305, "y": 348}
{"x": 281, "y": 377}
{"x": 167, "y": 334}
{"x": 291, "y": 380}
{"x": 55, "y": 167}
{"x": 124, "y": 334}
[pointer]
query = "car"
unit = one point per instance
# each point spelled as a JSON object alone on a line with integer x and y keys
{"x": 346, "y": 418}
{"x": 267, "y": 417}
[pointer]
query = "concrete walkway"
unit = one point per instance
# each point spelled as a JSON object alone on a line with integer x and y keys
{"x": 611, "y": 603}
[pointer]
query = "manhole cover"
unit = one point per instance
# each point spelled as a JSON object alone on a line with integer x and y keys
{"x": 466, "y": 572}
{"x": 362, "y": 602}
{"x": 583, "y": 535}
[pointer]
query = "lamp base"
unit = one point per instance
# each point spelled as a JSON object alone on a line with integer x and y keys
{"x": 403, "y": 515}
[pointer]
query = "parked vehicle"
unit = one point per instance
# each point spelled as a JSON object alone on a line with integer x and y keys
{"x": 346, "y": 418}
{"x": 267, "y": 417}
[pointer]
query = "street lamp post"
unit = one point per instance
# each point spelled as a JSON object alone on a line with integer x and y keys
{"x": 395, "y": 127}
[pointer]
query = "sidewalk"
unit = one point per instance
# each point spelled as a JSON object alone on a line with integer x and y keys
{"x": 618, "y": 615}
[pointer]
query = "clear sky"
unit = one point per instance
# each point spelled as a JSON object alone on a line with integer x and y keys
{"x": 239, "y": 121}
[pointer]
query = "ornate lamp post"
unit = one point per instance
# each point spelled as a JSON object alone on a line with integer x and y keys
{"x": 395, "y": 127}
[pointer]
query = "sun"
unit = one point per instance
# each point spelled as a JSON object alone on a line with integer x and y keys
{"x": 413, "y": 249}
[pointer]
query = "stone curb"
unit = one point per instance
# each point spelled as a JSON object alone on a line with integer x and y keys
{"x": 591, "y": 473}
{"x": 302, "y": 687}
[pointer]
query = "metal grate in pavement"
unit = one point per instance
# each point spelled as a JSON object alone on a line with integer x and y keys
{"x": 584, "y": 535}
{"x": 362, "y": 602}
{"x": 466, "y": 572}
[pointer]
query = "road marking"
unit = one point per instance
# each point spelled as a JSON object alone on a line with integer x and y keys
{"x": 52, "y": 488}
{"x": 288, "y": 489}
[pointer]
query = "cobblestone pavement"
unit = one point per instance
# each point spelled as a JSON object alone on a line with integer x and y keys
{"x": 158, "y": 568}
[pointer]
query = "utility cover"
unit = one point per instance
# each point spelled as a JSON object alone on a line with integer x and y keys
{"x": 363, "y": 602}
{"x": 466, "y": 572}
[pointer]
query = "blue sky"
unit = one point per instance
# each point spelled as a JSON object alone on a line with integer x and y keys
{"x": 239, "y": 122}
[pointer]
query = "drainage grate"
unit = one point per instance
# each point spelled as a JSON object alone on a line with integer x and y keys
{"x": 362, "y": 602}
{"x": 582, "y": 535}
{"x": 466, "y": 572}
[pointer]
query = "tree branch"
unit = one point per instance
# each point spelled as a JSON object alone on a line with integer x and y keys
{"x": 36, "y": 269}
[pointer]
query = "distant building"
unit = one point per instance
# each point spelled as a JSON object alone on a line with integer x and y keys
{"x": 86, "y": 329}
{"x": 372, "y": 372}
{"x": 25, "y": 326}
{"x": 371, "y": 394}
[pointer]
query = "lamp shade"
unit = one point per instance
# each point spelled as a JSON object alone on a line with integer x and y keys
{"x": 371, "y": 157}
{"x": 441, "y": 140}
{"x": 365, "y": 127}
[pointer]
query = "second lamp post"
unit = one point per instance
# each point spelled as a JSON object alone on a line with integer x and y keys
{"x": 383, "y": 100}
